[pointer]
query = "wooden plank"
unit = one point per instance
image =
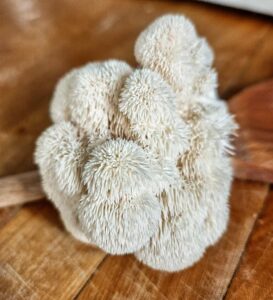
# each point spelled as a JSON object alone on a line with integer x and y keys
{"x": 21, "y": 188}
{"x": 253, "y": 279}
{"x": 124, "y": 277}
{"x": 39, "y": 260}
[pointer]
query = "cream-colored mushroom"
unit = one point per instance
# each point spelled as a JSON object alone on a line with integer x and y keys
{"x": 138, "y": 160}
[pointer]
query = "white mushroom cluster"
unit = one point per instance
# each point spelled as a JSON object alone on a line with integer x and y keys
{"x": 137, "y": 160}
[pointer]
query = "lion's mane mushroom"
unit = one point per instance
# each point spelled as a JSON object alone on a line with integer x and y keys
{"x": 138, "y": 160}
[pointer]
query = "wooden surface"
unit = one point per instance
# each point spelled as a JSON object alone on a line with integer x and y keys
{"x": 40, "y": 40}
{"x": 20, "y": 188}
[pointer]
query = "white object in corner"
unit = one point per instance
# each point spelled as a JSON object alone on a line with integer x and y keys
{"x": 257, "y": 6}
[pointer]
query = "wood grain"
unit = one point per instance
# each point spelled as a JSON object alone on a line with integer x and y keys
{"x": 253, "y": 110}
{"x": 254, "y": 277}
{"x": 40, "y": 41}
{"x": 7, "y": 213}
{"x": 120, "y": 277}
{"x": 41, "y": 260}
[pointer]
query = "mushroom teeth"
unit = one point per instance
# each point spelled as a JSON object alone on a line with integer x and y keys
{"x": 138, "y": 160}
{"x": 149, "y": 104}
{"x": 85, "y": 96}
{"x": 171, "y": 47}
{"x": 121, "y": 227}
{"x": 120, "y": 213}
{"x": 118, "y": 168}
